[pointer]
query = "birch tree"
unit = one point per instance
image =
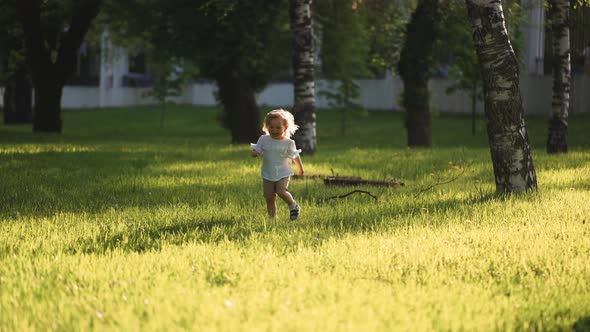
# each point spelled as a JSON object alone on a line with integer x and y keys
{"x": 507, "y": 134}
{"x": 303, "y": 71}
{"x": 559, "y": 12}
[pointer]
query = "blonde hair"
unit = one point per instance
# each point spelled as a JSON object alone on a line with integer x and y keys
{"x": 286, "y": 117}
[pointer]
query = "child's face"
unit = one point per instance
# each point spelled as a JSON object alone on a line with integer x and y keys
{"x": 276, "y": 128}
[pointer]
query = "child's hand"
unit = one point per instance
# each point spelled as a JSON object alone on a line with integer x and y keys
{"x": 301, "y": 171}
{"x": 255, "y": 153}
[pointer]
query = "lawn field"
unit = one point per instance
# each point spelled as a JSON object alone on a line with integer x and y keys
{"x": 121, "y": 225}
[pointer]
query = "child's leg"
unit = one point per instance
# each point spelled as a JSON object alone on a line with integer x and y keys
{"x": 282, "y": 191}
{"x": 271, "y": 207}
{"x": 270, "y": 197}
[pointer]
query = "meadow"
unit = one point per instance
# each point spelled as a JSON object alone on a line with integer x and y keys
{"x": 120, "y": 225}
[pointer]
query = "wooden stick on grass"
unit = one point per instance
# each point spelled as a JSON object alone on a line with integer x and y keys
{"x": 350, "y": 193}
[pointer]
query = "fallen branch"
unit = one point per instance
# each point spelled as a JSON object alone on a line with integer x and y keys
{"x": 350, "y": 193}
{"x": 423, "y": 190}
{"x": 344, "y": 181}
{"x": 331, "y": 180}
{"x": 322, "y": 176}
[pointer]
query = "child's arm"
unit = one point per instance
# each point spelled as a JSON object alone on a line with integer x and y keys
{"x": 255, "y": 149}
{"x": 297, "y": 161}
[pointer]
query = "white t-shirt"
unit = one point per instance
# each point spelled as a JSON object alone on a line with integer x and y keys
{"x": 277, "y": 156}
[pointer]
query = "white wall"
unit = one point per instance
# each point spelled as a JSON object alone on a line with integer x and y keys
{"x": 203, "y": 93}
{"x": 580, "y": 102}
{"x": 533, "y": 29}
{"x": 537, "y": 94}
{"x": 382, "y": 94}
{"x": 80, "y": 97}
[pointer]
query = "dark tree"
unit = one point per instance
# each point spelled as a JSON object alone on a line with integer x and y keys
{"x": 239, "y": 44}
{"x": 14, "y": 75}
{"x": 53, "y": 32}
{"x": 415, "y": 68}
{"x": 18, "y": 97}
{"x": 241, "y": 56}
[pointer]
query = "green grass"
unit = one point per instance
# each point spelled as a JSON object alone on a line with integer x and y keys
{"x": 120, "y": 225}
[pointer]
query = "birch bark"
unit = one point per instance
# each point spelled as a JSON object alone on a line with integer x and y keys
{"x": 303, "y": 71}
{"x": 558, "y": 122}
{"x": 507, "y": 134}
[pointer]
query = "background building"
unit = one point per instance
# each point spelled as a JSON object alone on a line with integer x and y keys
{"x": 118, "y": 78}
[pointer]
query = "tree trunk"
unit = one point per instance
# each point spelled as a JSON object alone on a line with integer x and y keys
{"x": 18, "y": 96}
{"x": 416, "y": 60}
{"x": 416, "y": 101}
{"x": 558, "y": 122}
{"x": 241, "y": 115}
{"x": 51, "y": 67}
{"x": 473, "y": 107}
{"x": 47, "y": 117}
{"x": 507, "y": 134}
{"x": 303, "y": 71}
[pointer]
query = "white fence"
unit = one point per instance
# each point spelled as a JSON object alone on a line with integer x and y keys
{"x": 381, "y": 94}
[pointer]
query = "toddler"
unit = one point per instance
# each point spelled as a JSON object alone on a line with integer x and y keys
{"x": 278, "y": 151}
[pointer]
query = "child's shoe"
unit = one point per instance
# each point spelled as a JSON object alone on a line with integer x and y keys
{"x": 295, "y": 211}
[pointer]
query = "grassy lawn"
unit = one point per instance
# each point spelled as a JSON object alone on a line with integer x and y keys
{"x": 120, "y": 225}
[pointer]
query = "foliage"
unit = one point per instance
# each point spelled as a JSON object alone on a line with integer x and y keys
{"x": 170, "y": 77}
{"x": 255, "y": 33}
{"x": 118, "y": 226}
{"x": 456, "y": 52}
{"x": 457, "y": 56}
{"x": 46, "y": 35}
{"x": 209, "y": 33}
{"x": 239, "y": 44}
{"x": 344, "y": 44}
{"x": 386, "y": 21}
{"x": 417, "y": 61}
{"x": 455, "y": 47}
{"x": 341, "y": 96}
{"x": 54, "y": 20}
{"x": 11, "y": 45}
{"x": 344, "y": 52}
{"x": 515, "y": 14}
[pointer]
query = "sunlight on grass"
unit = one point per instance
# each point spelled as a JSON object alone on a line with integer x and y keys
{"x": 44, "y": 148}
{"x": 167, "y": 230}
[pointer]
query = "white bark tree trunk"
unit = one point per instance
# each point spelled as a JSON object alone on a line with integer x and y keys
{"x": 303, "y": 71}
{"x": 507, "y": 133}
{"x": 560, "y": 32}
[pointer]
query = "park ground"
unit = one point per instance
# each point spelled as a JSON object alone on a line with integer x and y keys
{"x": 119, "y": 224}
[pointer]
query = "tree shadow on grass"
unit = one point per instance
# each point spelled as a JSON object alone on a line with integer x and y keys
{"x": 99, "y": 189}
{"x": 149, "y": 238}
{"x": 42, "y": 184}
{"x": 582, "y": 325}
{"x": 142, "y": 230}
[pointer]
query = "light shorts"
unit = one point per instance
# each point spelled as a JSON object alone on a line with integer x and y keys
{"x": 270, "y": 188}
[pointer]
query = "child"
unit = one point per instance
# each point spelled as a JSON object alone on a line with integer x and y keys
{"x": 278, "y": 150}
